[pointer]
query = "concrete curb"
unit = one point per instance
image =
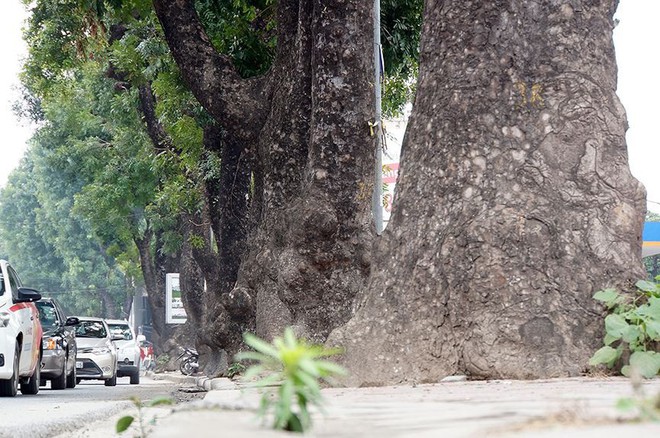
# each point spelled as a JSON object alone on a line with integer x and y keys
{"x": 204, "y": 382}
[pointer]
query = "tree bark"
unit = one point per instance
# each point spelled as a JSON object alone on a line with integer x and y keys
{"x": 514, "y": 205}
{"x": 209, "y": 270}
{"x": 308, "y": 117}
{"x": 154, "y": 268}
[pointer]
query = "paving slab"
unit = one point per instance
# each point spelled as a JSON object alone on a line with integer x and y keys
{"x": 576, "y": 407}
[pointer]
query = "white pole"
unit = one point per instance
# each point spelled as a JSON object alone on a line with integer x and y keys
{"x": 378, "y": 186}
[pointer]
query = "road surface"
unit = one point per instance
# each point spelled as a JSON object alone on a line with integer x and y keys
{"x": 51, "y": 413}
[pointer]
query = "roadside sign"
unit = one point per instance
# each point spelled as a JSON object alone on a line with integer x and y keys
{"x": 174, "y": 311}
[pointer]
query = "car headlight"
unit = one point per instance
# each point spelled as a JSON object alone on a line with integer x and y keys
{"x": 4, "y": 319}
{"x": 100, "y": 350}
{"x": 51, "y": 344}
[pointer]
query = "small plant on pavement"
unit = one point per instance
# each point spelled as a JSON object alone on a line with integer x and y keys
{"x": 294, "y": 369}
{"x": 235, "y": 369}
{"x": 161, "y": 362}
{"x": 633, "y": 326}
{"x": 646, "y": 408}
{"x": 125, "y": 422}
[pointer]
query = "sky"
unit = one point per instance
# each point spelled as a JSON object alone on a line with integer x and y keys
{"x": 12, "y": 50}
{"x": 637, "y": 41}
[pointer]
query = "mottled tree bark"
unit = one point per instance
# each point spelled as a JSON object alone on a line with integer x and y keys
{"x": 209, "y": 270}
{"x": 514, "y": 203}
{"x": 308, "y": 118}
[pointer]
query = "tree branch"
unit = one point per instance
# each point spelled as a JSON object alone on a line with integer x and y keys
{"x": 236, "y": 103}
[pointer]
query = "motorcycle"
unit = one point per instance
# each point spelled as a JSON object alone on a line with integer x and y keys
{"x": 189, "y": 361}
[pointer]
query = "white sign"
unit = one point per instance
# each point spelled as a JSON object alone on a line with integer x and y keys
{"x": 174, "y": 311}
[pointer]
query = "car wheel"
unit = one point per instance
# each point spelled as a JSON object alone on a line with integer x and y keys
{"x": 72, "y": 379}
{"x": 112, "y": 381}
{"x": 31, "y": 387}
{"x": 60, "y": 381}
{"x": 9, "y": 387}
{"x": 78, "y": 379}
{"x": 135, "y": 377}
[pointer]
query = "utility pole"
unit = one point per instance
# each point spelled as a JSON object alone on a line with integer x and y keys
{"x": 378, "y": 125}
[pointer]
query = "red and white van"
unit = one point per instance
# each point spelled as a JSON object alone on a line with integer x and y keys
{"x": 20, "y": 335}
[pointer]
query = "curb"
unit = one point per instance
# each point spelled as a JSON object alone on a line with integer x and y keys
{"x": 204, "y": 382}
{"x": 216, "y": 384}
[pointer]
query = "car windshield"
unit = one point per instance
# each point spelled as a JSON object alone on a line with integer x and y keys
{"x": 47, "y": 315}
{"x": 90, "y": 329}
{"x": 2, "y": 284}
{"x": 121, "y": 330}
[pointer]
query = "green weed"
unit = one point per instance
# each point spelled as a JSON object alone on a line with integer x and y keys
{"x": 633, "y": 326}
{"x": 125, "y": 422}
{"x": 293, "y": 371}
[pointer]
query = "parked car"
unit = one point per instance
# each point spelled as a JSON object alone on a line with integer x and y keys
{"x": 128, "y": 350}
{"x": 58, "y": 363}
{"x": 97, "y": 354}
{"x": 20, "y": 335}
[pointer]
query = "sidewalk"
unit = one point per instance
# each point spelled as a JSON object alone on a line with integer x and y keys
{"x": 577, "y": 407}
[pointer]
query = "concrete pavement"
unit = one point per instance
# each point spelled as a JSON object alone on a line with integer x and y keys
{"x": 576, "y": 407}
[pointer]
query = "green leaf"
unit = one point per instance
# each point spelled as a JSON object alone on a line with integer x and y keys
{"x": 161, "y": 401}
{"x": 253, "y": 371}
{"x": 615, "y": 325}
{"x": 309, "y": 366}
{"x": 646, "y": 286}
{"x": 289, "y": 338}
{"x": 124, "y": 423}
{"x": 646, "y": 362}
{"x": 604, "y": 355}
{"x": 626, "y": 370}
{"x": 631, "y": 334}
{"x": 294, "y": 424}
{"x": 651, "y": 309}
{"x": 309, "y": 382}
{"x": 260, "y": 345}
{"x": 609, "y": 339}
{"x": 607, "y": 296}
{"x": 625, "y": 404}
{"x": 271, "y": 380}
{"x": 653, "y": 329}
{"x": 286, "y": 399}
{"x": 330, "y": 368}
{"x": 251, "y": 355}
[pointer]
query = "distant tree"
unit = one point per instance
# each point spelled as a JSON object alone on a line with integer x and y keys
{"x": 34, "y": 258}
{"x": 52, "y": 249}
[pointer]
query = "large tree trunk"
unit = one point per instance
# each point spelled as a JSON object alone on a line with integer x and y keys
{"x": 209, "y": 270}
{"x": 154, "y": 269}
{"x": 309, "y": 253}
{"x": 514, "y": 204}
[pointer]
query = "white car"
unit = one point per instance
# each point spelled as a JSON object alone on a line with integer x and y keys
{"x": 128, "y": 349}
{"x": 20, "y": 335}
{"x": 97, "y": 353}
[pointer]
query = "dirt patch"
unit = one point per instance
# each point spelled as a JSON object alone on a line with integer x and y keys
{"x": 575, "y": 417}
{"x": 186, "y": 394}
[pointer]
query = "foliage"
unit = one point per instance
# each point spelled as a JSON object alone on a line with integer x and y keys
{"x": 51, "y": 248}
{"x": 125, "y": 422}
{"x": 162, "y": 360}
{"x": 294, "y": 371}
{"x": 244, "y": 30}
{"x": 633, "y": 326}
{"x": 235, "y": 369}
{"x": 401, "y": 22}
{"x": 647, "y": 408}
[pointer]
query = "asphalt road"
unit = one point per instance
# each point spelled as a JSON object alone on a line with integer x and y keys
{"x": 51, "y": 413}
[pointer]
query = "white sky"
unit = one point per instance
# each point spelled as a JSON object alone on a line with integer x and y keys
{"x": 12, "y": 49}
{"x": 637, "y": 39}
